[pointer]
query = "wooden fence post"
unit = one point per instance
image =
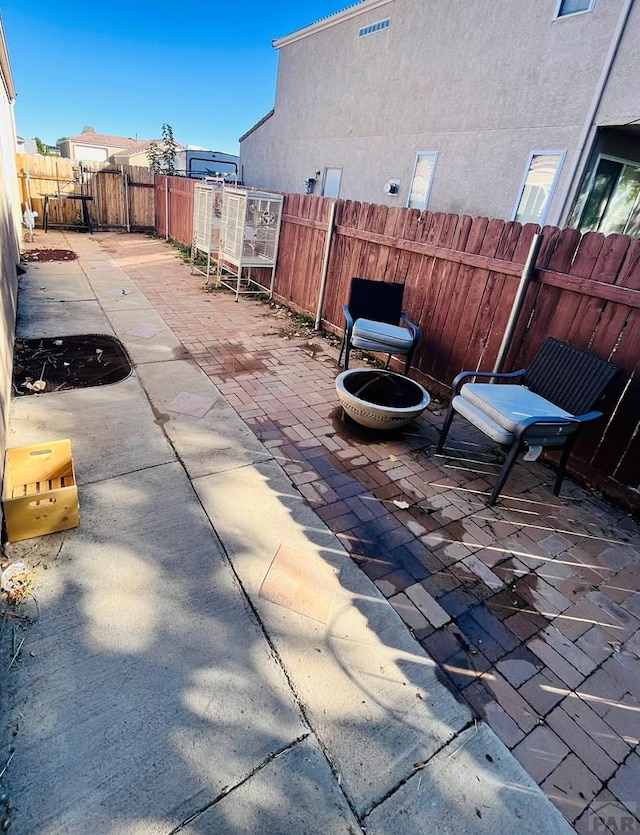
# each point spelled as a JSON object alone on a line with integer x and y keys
{"x": 166, "y": 206}
{"x": 325, "y": 263}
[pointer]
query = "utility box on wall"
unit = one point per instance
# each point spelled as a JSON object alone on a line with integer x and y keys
{"x": 249, "y": 236}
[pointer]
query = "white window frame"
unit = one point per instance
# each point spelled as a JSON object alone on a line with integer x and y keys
{"x": 552, "y": 187}
{"x": 327, "y": 169}
{"x": 558, "y": 16}
{"x": 621, "y": 160}
{"x": 434, "y": 155}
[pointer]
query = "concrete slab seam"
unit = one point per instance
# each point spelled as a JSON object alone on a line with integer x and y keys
{"x": 230, "y": 789}
{"x": 474, "y": 723}
{"x": 278, "y": 660}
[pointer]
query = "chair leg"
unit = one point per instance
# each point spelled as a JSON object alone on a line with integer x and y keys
{"x": 342, "y": 344}
{"x": 562, "y": 466}
{"x": 445, "y": 428}
{"x": 347, "y": 351}
{"x": 504, "y": 472}
{"x": 407, "y": 364}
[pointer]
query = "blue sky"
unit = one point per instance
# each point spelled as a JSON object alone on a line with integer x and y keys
{"x": 206, "y": 68}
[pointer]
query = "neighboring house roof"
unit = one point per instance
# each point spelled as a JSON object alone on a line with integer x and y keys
{"x": 257, "y": 125}
{"x": 103, "y": 139}
{"x": 325, "y": 22}
{"x": 139, "y": 148}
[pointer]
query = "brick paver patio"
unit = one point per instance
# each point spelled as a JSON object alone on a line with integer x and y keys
{"x": 531, "y": 608}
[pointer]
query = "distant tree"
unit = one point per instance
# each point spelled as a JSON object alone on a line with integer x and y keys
{"x": 88, "y": 129}
{"x": 153, "y": 155}
{"x": 62, "y": 139}
{"x": 162, "y": 155}
{"x": 42, "y": 148}
{"x": 169, "y": 151}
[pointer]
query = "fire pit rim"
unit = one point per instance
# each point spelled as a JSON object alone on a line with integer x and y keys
{"x": 372, "y": 415}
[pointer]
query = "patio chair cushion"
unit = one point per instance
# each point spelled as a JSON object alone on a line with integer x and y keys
{"x": 482, "y": 421}
{"x": 380, "y": 336}
{"x": 505, "y": 406}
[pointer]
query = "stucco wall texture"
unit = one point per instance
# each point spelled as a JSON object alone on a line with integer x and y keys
{"x": 482, "y": 82}
{"x": 10, "y": 213}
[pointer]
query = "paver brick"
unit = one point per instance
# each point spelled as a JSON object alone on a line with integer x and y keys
{"x": 603, "y": 688}
{"x": 463, "y": 668}
{"x": 568, "y": 650}
{"x": 571, "y": 787}
{"x": 443, "y": 643}
{"x": 407, "y": 611}
{"x": 625, "y": 785}
{"x": 562, "y": 668}
{"x": 479, "y": 638}
{"x": 427, "y": 605}
{"x": 511, "y": 701}
{"x": 540, "y": 752}
{"x": 607, "y": 815}
{"x": 457, "y": 602}
{"x": 519, "y": 666}
{"x": 525, "y": 624}
{"x": 580, "y": 617}
{"x": 595, "y": 727}
{"x": 624, "y": 718}
{"x": 399, "y": 578}
{"x": 619, "y": 614}
{"x": 596, "y": 644}
{"x": 543, "y": 691}
{"x": 494, "y": 626}
{"x": 581, "y": 744}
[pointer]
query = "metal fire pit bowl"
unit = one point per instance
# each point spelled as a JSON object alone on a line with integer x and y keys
{"x": 380, "y": 399}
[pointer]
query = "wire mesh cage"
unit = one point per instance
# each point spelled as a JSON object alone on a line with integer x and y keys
{"x": 207, "y": 215}
{"x": 249, "y": 236}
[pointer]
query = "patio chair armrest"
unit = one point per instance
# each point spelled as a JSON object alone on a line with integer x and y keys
{"x": 415, "y": 330}
{"x": 588, "y": 416}
{"x": 540, "y": 420}
{"x": 464, "y": 376}
{"x": 347, "y": 315}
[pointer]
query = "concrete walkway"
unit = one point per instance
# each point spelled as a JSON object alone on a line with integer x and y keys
{"x": 202, "y": 655}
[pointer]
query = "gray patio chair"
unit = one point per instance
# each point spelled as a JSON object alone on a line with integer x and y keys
{"x": 372, "y": 316}
{"x": 548, "y": 406}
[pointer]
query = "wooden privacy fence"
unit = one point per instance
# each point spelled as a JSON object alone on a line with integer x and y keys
{"x": 122, "y": 196}
{"x": 461, "y": 275}
{"x": 174, "y": 207}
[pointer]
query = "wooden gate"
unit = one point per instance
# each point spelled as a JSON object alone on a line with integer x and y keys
{"x": 121, "y": 197}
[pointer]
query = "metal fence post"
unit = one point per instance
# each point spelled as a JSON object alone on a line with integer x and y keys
{"x": 525, "y": 279}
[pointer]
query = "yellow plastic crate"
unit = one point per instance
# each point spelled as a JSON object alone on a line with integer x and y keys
{"x": 39, "y": 495}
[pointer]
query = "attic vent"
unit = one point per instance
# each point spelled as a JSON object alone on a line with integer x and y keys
{"x": 375, "y": 27}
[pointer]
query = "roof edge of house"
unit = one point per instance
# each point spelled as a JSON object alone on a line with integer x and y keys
{"x": 257, "y": 125}
{"x": 5, "y": 66}
{"x": 326, "y": 22}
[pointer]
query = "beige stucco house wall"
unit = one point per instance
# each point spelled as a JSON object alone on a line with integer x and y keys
{"x": 10, "y": 213}
{"x": 483, "y": 83}
{"x": 136, "y": 157}
{"x": 99, "y": 147}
